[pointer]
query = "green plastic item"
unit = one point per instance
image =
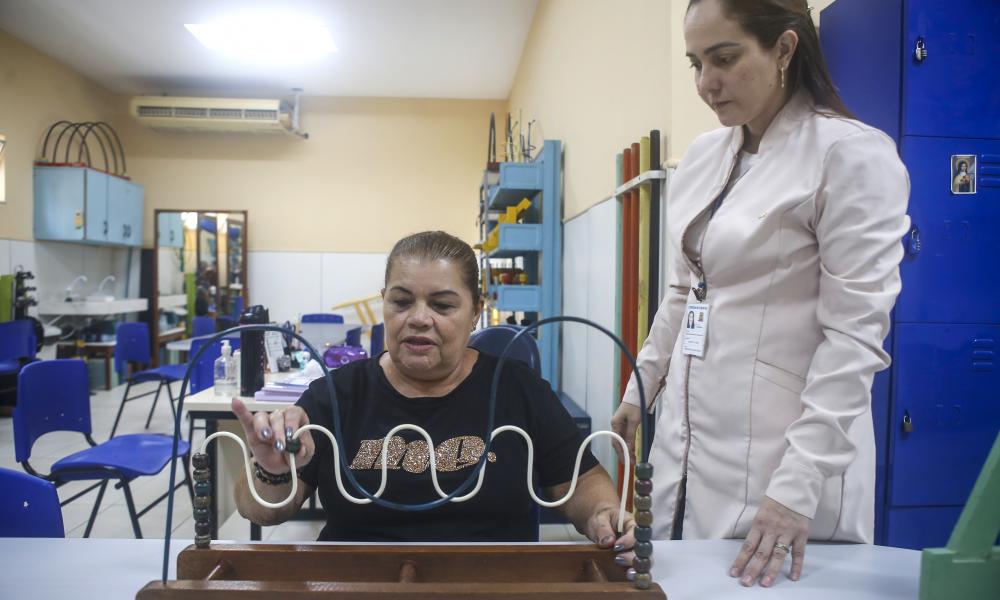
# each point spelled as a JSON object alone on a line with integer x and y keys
{"x": 969, "y": 567}
{"x": 6, "y": 298}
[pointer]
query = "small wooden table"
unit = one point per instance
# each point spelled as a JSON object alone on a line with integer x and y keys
{"x": 105, "y": 350}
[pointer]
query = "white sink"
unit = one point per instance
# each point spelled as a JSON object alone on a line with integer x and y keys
{"x": 94, "y": 307}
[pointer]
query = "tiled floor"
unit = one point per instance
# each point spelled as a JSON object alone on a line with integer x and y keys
{"x": 113, "y": 521}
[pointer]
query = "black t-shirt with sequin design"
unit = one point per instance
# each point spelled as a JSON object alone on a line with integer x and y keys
{"x": 502, "y": 510}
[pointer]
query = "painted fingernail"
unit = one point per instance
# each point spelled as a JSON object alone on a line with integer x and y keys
{"x": 621, "y": 561}
{"x": 288, "y": 432}
{"x": 734, "y": 572}
{"x": 265, "y": 433}
{"x": 618, "y": 548}
{"x": 279, "y": 445}
{"x": 630, "y": 574}
{"x": 766, "y": 582}
{"x": 607, "y": 540}
{"x": 747, "y": 581}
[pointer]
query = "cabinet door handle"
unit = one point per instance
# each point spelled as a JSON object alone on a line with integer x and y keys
{"x": 105, "y": 227}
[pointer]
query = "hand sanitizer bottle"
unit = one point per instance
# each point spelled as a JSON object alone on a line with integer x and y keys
{"x": 225, "y": 372}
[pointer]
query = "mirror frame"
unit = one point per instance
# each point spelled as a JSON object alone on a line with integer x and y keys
{"x": 154, "y": 302}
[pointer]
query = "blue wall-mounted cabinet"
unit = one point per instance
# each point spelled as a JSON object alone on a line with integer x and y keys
{"x": 79, "y": 204}
{"x": 925, "y": 73}
{"x": 171, "y": 229}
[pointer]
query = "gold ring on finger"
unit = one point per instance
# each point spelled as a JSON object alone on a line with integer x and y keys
{"x": 780, "y": 546}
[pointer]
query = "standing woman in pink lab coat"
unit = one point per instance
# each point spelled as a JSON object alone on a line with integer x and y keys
{"x": 784, "y": 232}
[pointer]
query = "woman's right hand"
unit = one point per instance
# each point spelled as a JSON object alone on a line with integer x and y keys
{"x": 624, "y": 423}
{"x": 267, "y": 433}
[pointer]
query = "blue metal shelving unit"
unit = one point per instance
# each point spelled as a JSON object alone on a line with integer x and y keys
{"x": 539, "y": 244}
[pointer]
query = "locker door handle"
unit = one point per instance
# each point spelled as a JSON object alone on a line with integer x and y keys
{"x": 913, "y": 243}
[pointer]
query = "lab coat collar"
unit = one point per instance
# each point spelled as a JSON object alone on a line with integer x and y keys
{"x": 796, "y": 110}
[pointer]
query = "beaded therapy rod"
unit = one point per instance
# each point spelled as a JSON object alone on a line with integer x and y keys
{"x": 643, "y": 548}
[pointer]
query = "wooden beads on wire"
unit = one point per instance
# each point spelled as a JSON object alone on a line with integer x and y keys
{"x": 643, "y": 549}
{"x": 202, "y": 500}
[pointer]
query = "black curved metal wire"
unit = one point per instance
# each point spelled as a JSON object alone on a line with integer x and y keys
{"x": 338, "y": 432}
{"x": 114, "y": 153}
{"x": 83, "y": 129}
{"x": 118, "y": 141}
{"x": 48, "y": 133}
{"x": 83, "y": 144}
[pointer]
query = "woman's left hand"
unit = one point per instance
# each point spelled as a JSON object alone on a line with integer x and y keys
{"x": 601, "y": 530}
{"x": 775, "y": 532}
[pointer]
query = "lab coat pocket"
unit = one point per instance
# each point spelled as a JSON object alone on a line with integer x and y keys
{"x": 780, "y": 377}
{"x": 775, "y": 404}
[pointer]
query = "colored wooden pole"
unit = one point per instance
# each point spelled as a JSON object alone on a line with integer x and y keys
{"x": 654, "y": 227}
{"x": 642, "y": 300}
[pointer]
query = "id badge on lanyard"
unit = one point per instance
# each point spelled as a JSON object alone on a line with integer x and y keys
{"x": 695, "y": 330}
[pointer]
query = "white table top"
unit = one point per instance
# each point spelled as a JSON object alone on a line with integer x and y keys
{"x": 207, "y": 401}
{"x": 185, "y": 344}
{"x": 320, "y": 335}
{"x": 55, "y": 569}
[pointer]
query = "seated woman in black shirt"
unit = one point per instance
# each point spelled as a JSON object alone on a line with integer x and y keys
{"x": 431, "y": 378}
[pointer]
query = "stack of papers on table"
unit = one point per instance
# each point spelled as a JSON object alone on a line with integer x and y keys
{"x": 287, "y": 390}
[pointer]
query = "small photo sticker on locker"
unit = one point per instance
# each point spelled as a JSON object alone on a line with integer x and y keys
{"x": 963, "y": 174}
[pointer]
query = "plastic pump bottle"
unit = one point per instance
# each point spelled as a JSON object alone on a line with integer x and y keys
{"x": 225, "y": 372}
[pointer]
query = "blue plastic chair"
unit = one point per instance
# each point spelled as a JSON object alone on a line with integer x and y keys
{"x": 132, "y": 346}
{"x": 238, "y": 304}
{"x": 321, "y": 318}
{"x": 203, "y": 325}
{"x": 54, "y": 395}
{"x": 17, "y": 345}
{"x": 493, "y": 340}
{"x": 353, "y": 337}
{"x": 203, "y": 375}
{"x": 378, "y": 339}
{"x": 29, "y": 506}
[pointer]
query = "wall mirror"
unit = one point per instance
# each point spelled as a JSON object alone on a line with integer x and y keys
{"x": 199, "y": 269}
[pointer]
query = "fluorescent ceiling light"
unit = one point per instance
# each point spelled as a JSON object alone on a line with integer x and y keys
{"x": 266, "y": 38}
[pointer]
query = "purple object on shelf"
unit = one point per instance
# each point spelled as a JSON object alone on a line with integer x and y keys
{"x": 338, "y": 356}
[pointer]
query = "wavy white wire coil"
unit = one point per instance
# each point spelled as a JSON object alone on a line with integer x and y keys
{"x": 433, "y": 466}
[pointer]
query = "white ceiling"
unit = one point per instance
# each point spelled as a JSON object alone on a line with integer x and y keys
{"x": 385, "y": 48}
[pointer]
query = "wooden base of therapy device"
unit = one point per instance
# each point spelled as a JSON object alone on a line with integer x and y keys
{"x": 411, "y": 572}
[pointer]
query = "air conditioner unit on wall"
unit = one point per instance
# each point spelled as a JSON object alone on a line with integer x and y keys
{"x": 168, "y": 113}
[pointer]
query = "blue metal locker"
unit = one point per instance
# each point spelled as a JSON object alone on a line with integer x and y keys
{"x": 951, "y": 273}
{"x": 924, "y": 71}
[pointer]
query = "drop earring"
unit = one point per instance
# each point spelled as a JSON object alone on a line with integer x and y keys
{"x": 782, "y": 71}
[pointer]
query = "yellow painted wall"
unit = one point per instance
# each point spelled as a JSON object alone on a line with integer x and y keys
{"x": 372, "y": 171}
{"x": 35, "y": 92}
{"x": 594, "y": 73}
{"x": 599, "y": 74}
